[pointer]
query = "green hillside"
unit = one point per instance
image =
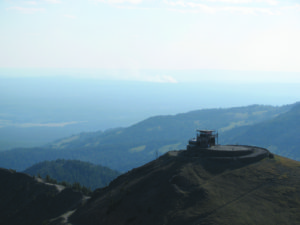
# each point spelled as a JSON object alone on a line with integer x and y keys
{"x": 176, "y": 189}
{"x": 280, "y": 135}
{"x": 174, "y": 128}
{"x": 71, "y": 171}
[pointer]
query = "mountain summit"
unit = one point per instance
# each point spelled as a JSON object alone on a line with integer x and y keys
{"x": 180, "y": 189}
{"x": 177, "y": 188}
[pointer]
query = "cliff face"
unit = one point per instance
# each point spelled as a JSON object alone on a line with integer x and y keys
{"x": 176, "y": 189}
{"x": 25, "y": 200}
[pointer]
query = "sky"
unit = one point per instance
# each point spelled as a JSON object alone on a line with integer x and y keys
{"x": 132, "y": 59}
{"x": 259, "y": 38}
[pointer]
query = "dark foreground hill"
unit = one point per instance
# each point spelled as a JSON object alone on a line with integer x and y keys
{"x": 25, "y": 200}
{"x": 71, "y": 171}
{"x": 176, "y": 190}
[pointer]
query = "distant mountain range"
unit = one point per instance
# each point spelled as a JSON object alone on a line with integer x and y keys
{"x": 280, "y": 134}
{"x": 125, "y": 148}
{"x": 38, "y": 110}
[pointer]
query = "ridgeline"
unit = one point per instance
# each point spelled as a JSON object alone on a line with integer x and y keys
{"x": 177, "y": 189}
{"x": 174, "y": 189}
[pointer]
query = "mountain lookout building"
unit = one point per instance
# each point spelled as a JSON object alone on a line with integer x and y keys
{"x": 204, "y": 139}
{"x": 206, "y": 145}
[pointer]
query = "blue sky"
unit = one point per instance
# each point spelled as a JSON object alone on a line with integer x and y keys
{"x": 207, "y": 35}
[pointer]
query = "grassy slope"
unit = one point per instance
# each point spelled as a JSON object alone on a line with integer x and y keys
{"x": 280, "y": 135}
{"x": 180, "y": 190}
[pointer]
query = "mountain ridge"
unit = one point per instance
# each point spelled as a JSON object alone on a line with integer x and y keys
{"x": 141, "y": 142}
{"x": 26, "y": 200}
{"x": 256, "y": 113}
{"x": 190, "y": 190}
{"x": 277, "y": 134}
{"x": 71, "y": 171}
{"x": 175, "y": 188}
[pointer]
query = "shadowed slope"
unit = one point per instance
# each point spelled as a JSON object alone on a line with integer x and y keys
{"x": 176, "y": 189}
{"x": 87, "y": 174}
{"x": 25, "y": 200}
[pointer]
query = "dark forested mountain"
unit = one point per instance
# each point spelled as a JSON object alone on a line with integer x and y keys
{"x": 25, "y": 200}
{"x": 280, "y": 135}
{"x": 71, "y": 171}
{"x": 176, "y": 190}
{"x": 125, "y": 148}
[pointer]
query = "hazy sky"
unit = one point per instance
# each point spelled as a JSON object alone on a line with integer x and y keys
{"x": 235, "y": 35}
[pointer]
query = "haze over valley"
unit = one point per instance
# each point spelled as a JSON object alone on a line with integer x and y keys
{"x": 38, "y": 108}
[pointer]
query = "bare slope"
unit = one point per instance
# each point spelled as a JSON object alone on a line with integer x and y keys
{"x": 175, "y": 189}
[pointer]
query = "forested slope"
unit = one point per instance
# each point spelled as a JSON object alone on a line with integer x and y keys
{"x": 71, "y": 171}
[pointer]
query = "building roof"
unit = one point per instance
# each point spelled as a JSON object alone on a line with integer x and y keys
{"x": 206, "y": 131}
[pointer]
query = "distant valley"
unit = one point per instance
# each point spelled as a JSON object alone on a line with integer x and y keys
{"x": 38, "y": 110}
